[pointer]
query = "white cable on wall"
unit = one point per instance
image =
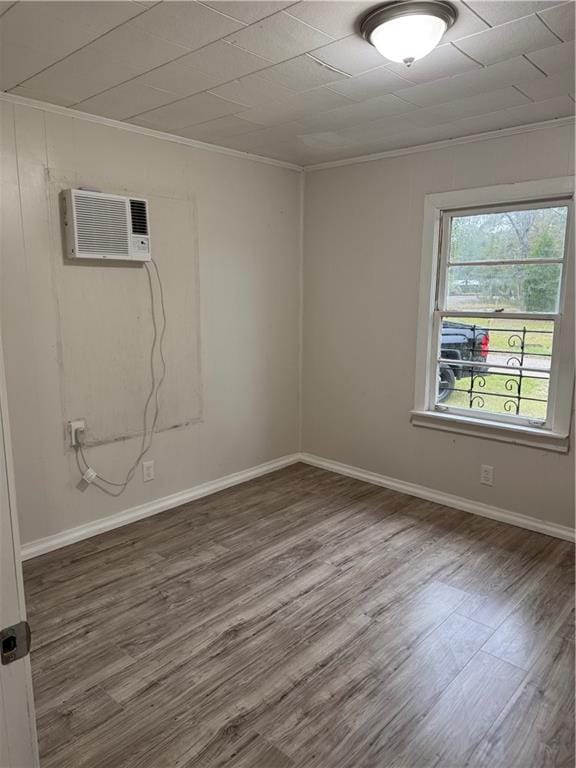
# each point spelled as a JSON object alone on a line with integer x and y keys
{"x": 147, "y": 434}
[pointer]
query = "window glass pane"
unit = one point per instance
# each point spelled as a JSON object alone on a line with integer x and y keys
{"x": 528, "y": 234}
{"x": 509, "y": 288}
{"x": 495, "y": 366}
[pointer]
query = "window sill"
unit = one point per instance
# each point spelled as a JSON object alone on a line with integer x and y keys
{"x": 491, "y": 430}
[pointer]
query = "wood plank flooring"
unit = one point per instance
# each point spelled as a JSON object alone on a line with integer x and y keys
{"x": 305, "y": 620}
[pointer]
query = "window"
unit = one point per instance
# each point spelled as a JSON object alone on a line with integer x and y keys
{"x": 497, "y": 343}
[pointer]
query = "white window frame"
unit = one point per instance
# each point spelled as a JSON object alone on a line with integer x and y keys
{"x": 554, "y": 434}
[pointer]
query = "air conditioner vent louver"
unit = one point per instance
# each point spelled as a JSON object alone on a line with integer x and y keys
{"x": 101, "y": 226}
{"x": 139, "y": 217}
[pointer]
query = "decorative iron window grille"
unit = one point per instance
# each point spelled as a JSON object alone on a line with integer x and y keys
{"x": 480, "y": 374}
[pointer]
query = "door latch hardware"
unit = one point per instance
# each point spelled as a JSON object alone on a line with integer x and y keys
{"x": 14, "y": 642}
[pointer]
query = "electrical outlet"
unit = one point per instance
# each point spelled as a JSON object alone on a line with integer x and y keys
{"x": 75, "y": 430}
{"x": 486, "y": 474}
{"x": 148, "y": 471}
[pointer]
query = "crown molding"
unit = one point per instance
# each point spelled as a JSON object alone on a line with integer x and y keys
{"x": 218, "y": 149}
{"x": 475, "y": 137}
{"x": 75, "y": 113}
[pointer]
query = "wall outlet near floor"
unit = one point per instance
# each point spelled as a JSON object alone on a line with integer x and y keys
{"x": 148, "y": 471}
{"x": 486, "y": 474}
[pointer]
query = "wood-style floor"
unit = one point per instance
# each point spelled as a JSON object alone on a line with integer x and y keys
{"x": 305, "y": 620}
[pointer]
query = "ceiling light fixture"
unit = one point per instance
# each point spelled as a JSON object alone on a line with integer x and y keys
{"x": 407, "y": 30}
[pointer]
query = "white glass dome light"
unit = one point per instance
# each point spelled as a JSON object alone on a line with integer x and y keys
{"x": 406, "y": 30}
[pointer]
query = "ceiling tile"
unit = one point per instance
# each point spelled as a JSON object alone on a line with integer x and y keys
{"x": 19, "y": 61}
{"x": 354, "y": 114}
{"x": 352, "y": 55}
{"x": 58, "y": 28}
{"x": 430, "y": 116}
{"x": 224, "y": 61}
{"x": 279, "y": 37}
{"x": 561, "y": 106}
{"x": 428, "y": 135}
{"x": 248, "y": 11}
{"x": 497, "y": 12}
{"x": 490, "y": 78}
{"x": 555, "y": 58}
{"x": 221, "y": 128}
{"x": 467, "y": 23}
{"x": 560, "y": 20}
{"x": 485, "y": 103}
{"x": 80, "y": 76}
{"x": 195, "y": 109}
{"x": 392, "y": 136}
{"x": 188, "y": 23}
{"x": 323, "y": 140}
{"x": 302, "y": 73}
{"x": 312, "y": 156}
{"x": 336, "y": 18}
{"x": 560, "y": 84}
{"x": 126, "y": 100}
{"x": 301, "y": 105}
{"x": 298, "y": 147}
{"x": 181, "y": 80}
{"x": 377, "y": 129}
{"x": 473, "y": 105}
{"x": 511, "y": 39}
{"x": 494, "y": 121}
{"x": 96, "y": 17}
{"x": 141, "y": 50}
{"x": 252, "y": 90}
{"x": 267, "y": 142}
{"x": 35, "y": 35}
{"x": 268, "y": 146}
{"x": 376, "y": 82}
{"x": 441, "y": 62}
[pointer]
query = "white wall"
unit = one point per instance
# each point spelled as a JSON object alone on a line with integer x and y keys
{"x": 361, "y": 277}
{"x": 362, "y": 253}
{"x": 243, "y": 230}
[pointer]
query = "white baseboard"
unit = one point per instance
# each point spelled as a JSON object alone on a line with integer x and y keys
{"x": 447, "y": 499}
{"x": 71, "y": 535}
{"x": 62, "y": 539}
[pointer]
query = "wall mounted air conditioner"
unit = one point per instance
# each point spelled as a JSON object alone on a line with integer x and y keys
{"x": 101, "y": 226}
